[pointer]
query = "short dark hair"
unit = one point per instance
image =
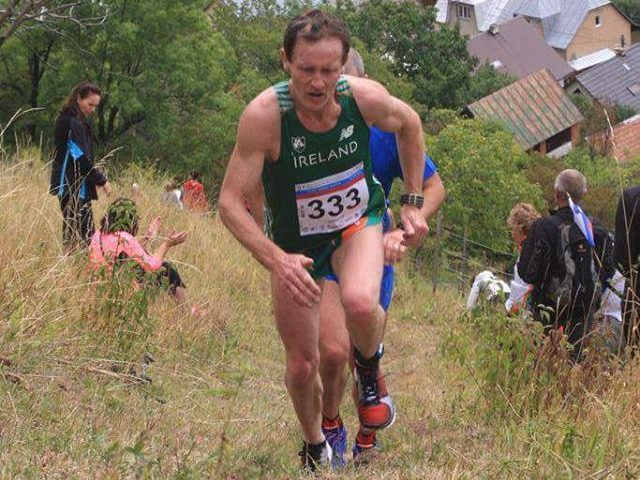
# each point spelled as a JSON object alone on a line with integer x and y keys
{"x": 195, "y": 174}
{"x": 314, "y": 25}
{"x": 81, "y": 90}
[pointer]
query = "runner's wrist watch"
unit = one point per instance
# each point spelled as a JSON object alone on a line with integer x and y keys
{"x": 415, "y": 199}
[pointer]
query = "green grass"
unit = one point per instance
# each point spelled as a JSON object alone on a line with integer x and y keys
{"x": 478, "y": 396}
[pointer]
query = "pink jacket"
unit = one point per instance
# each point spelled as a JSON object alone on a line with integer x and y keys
{"x": 105, "y": 248}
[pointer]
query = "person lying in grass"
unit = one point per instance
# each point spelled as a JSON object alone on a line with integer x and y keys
{"x": 115, "y": 243}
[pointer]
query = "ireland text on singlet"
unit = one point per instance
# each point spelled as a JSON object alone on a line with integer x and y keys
{"x": 322, "y": 182}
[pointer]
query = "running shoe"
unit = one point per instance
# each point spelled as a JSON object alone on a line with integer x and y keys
{"x": 315, "y": 456}
{"x": 336, "y": 434}
{"x": 375, "y": 408}
{"x": 384, "y": 394}
{"x": 364, "y": 448}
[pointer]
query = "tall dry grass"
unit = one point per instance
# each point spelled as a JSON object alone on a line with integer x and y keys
{"x": 475, "y": 398}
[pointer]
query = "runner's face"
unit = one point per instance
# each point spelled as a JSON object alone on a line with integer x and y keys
{"x": 315, "y": 68}
{"x": 89, "y": 104}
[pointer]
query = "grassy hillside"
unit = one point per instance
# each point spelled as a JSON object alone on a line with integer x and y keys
{"x": 476, "y": 396}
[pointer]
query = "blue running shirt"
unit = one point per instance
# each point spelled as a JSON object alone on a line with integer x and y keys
{"x": 386, "y": 161}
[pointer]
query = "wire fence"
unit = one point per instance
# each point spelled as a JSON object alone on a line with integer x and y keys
{"x": 453, "y": 258}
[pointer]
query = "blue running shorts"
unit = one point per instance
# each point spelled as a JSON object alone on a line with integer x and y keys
{"x": 388, "y": 274}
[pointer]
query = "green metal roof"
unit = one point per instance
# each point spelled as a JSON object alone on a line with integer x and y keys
{"x": 534, "y": 109}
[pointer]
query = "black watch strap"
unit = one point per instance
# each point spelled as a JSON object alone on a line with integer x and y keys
{"x": 416, "y": 199}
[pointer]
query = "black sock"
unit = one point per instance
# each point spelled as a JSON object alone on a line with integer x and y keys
{"x": 368, "y": 362}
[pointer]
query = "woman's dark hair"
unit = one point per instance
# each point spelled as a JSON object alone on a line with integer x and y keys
{"x": 81, "y": 90}
{"x": 315, "y": 25}
{"x": 121, "y": 216}
{"x": 195, "y": 174}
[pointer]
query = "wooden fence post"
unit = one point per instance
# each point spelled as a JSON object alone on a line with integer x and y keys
{"x": 437, "y": 253}
{"x": 463, "y": 276}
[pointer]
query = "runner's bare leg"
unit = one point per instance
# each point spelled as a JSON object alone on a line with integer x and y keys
{"x": 335, "y": 349}
{"x": 358, "y": 263}
{"x": 299, "y": 330}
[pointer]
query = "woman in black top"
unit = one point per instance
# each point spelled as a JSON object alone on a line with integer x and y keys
{"x": 73, "y": 176}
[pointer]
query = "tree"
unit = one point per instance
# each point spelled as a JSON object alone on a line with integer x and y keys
{"x": 254, "y": 33}
{"x": 47, "y": 15}
{"x": 631, "y": 8}
{"x": 485, "y": 81}
{"x": 483, "y": 169}
{"x": 166, "y": 81}
{"x": 435, "y": 60}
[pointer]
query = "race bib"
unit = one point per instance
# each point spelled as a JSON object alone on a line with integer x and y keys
{"x": 332, "y": 203}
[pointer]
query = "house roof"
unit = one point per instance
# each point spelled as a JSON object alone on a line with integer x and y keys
{"x": 616, "y": 81}
{"x": 560, "y": 19}
{"x": 539, "y": 9}
{"x": 488, "y": 12}
{"x": 520, "y": 49}
{"x": 442, "y": 8}
{"x": 533, "y": 109}
{"x": 586, "y": 61}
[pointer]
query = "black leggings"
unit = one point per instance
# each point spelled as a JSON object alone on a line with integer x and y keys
{"x": 169, "y": 273}
{"x": 77, "y": 222}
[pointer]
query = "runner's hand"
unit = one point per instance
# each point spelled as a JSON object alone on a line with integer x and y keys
{"x": 414, "y": 225}
{"x": 394, "y": 249}
{"x": 292, "y": 270}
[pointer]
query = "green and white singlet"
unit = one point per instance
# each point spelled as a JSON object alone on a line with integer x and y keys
{"x": 322, "y": 183}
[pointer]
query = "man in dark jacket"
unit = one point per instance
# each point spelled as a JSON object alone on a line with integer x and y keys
{"x": 74, "y": 177}
{"x": 627, "y": 258}
{"x": 567, "y": 262}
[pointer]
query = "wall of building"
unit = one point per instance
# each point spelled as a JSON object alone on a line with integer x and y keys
{"x": 589, "y": 38}
{"x": 467, "y": 27}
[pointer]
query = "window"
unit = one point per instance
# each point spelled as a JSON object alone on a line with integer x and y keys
{"x": 464, "y": 12}
{"x": 559, "y": 140}
{"x": 598, "y": 22}
{"x": 622, "y": 43}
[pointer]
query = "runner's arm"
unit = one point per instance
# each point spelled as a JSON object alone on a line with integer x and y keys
{"x": 240, "y": 183}
{"x": 242, "y": 180}
{"x": 256, "y": 205}
{"x": 393, "y": 115}
{"x": 434, "y": 196}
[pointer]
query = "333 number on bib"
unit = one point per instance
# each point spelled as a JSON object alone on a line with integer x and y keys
{"x": 332, "y": 203}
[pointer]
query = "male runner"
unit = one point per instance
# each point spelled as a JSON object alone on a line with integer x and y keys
{"x": 308, "y": 139}
{"x": 334, "y": 337}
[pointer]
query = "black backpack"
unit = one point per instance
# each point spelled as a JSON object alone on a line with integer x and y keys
{"x": 574, "y": 284}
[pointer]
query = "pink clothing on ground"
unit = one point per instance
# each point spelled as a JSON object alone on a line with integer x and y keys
{"x": 107, "y": 247}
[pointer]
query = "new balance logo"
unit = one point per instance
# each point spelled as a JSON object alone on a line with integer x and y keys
{"x": 346, "y": 133}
